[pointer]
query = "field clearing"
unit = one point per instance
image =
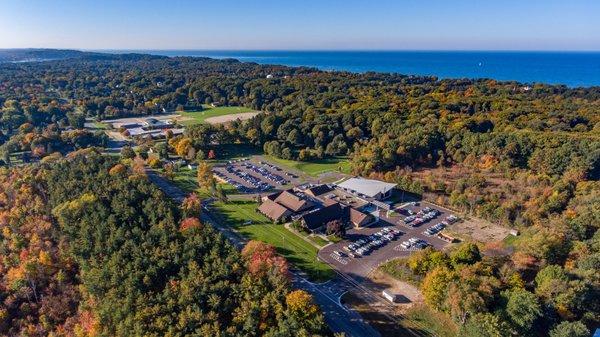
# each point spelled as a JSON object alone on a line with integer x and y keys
{"x": 479, "y": 230}
{"x": 418, "y": 319}
{"x": 187, "y": 181}
{"x": 473, "y": 227}
{"x": 298, "y": 252}
{"x": 315, "y": 168}
{"x": 199, "y": 117}
{"x": 230, "y": 118}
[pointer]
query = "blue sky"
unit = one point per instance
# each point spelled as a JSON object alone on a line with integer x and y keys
{"x": 307, "y": 24}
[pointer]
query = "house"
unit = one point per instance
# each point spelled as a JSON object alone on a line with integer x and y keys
{"x": 153, "y": 123}
{"x": 274, "y": 211}
{"x": 317, "y": 220}
{"x": 375, "y": 189}
{"x": 318, "y": 190}
{"x": 360, "y": 219}
{"x": 127, "y": 125}
{"x": 271, "y": 196}
{"x": 282, "y": 205}
{"x": 293, "y": 202}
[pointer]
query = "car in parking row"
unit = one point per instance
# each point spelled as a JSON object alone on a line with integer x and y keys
{"x": 421, "y": 217}
{"x": 414, "y": 243}
{"x": 274, "y": 167}
{"x": 435, "y": 228}
{"x": 452, "y": 218}
{"x": 251, "y": 180}
{"x": 378, "y": 239}
{"x": 266, "y": 173}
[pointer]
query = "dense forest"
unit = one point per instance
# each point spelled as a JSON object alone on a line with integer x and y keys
{"x": 89, "y": 248}
{"x": 538, "y": 140}
{"x": 525, "y": 156}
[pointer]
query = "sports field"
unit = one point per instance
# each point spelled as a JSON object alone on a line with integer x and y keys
{"x": 198, "y": 117}
{"x": 315, "y": 167}
{"x": 242, "y": 216}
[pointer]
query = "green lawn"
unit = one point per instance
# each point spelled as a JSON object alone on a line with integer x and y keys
{"x": 199, "y": 117}
{"x": 318, "y": 240}
{"x": 186, "y": 180}
{"x": 315, "y": 239}
{"x": 429, "y": 322}
{"x": 228, "y": 152}
{"x": 100, "y": 125}
{"x": 297, "y": 251}
{"x": 316, "y": 167}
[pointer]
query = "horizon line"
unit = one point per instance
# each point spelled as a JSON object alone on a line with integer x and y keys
{"x": 307, "y": 50}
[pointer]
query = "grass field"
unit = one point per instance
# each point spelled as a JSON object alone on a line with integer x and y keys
{"x": 228, "y": 152}
{"x": 198, "y": 117}
{"x": 187, "y": 181}
{"x": 429, "y": 322}
{"x": 316, "y": 167}
{"x": 100, "y": 125}
{"x": 297, "y": 251}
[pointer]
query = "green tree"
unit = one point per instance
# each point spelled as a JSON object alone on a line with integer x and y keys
{"x": 466, "y": 253}
{"x": 435, "y": 286}
{"x": 76, "y": 120}
{"x": 570, "y": 329}
{"x": 523, "y": 309}
{"x": 127, "y": 152}
{"x": 485, "y": 325}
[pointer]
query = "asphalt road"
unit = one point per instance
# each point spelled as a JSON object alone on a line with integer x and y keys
{"x": 326, "y": 295}
{"x": 362, "y": 266}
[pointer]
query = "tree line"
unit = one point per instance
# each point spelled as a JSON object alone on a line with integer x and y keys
{"x": 89, "y": 247}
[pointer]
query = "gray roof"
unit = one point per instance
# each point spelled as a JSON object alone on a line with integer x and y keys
{"x": 368, "y": 187}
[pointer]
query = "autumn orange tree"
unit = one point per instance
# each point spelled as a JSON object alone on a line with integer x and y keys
{"x": 262, "y": 258}
{"x": 151, "y": 254}
{"x": 191, "y": 205}
{"x": 205, "y": 177}
{"x": 38, "y": 279}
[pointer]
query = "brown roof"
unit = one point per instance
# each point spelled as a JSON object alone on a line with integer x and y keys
{"x": 328, "y": 202}
{"x": 318, "y": 190}
{"x": 293, "y": 202}
{"x": 271, "y": 196}
{"x": 320, "y": 217}
{"x": 273, "y": 210}
{"x": 359, "y": 218}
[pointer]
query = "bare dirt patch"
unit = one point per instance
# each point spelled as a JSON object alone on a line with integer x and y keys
{"x": 382, "y": 281}
{"x": 114, "y": 135}
{"x": 383, "y": 323}
{"x": 229, "y": 118}
{"x": 479, "y": 230}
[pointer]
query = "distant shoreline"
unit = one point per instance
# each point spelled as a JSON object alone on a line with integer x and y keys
{"x": 573, "y": 69}
{"x": 570, "y": 68}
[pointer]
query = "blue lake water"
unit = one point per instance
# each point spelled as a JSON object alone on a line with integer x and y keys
{"x": 573, "y": 69}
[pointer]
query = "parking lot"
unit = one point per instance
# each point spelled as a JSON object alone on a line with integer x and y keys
{"x": 254, "y": 177}
{"x": 365, "y": 249}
